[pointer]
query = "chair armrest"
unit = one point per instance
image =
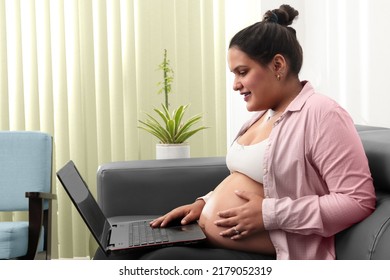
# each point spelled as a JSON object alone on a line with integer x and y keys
{"x": 42, "y": 195}
{"x": 38, "y": 217}
{"x": 154, "y": 187}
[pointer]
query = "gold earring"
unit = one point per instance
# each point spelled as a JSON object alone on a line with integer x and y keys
{"x": 278, "y": 77}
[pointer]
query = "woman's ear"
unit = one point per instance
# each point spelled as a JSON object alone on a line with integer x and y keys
{"x": 279, "y": 64}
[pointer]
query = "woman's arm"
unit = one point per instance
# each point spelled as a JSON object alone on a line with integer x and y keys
{"x": 338, "y": 155}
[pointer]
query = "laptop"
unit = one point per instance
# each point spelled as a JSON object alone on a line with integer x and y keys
{"x": 122, "y": 237}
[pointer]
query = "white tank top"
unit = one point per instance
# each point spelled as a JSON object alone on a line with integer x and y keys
{"x": 247, "y": 160}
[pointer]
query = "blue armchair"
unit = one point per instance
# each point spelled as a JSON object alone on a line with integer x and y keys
{"x": 25, "y": 185}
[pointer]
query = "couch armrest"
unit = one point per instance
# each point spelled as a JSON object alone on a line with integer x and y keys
{"x": 154, "y": 187}
{"x": 370, "y": 239}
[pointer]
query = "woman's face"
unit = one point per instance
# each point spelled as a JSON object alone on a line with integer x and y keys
{"x": 257, "y": 84}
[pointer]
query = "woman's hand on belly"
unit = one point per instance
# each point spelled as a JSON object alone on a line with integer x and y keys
{"x": 228, "y": 210}
{"x": 247, "y": 218}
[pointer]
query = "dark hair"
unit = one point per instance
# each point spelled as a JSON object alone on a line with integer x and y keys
{"x": 263, "y": 40}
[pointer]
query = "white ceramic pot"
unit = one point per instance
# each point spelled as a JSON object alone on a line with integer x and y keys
{"x": 171, "y": 151}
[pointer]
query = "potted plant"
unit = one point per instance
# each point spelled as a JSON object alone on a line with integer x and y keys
{"x": 169, "y": 126}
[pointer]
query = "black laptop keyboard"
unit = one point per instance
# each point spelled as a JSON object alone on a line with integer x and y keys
{"x": 141, "y": 233}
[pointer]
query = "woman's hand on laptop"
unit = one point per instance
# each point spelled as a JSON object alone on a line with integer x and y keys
{"x": 187, "y": 213}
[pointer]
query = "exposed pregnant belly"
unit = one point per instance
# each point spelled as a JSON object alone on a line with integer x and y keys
{"x": 224, "y": 198}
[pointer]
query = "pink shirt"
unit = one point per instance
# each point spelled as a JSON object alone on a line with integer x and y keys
{"x": 316, "y": 177}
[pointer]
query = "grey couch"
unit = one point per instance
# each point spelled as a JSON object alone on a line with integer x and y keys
{"x": 143, "y": 188}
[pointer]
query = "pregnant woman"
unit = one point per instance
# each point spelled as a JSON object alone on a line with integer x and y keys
{"x": 298, "y": 170}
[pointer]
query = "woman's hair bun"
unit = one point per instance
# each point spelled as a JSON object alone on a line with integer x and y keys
{"x": 283, "y": 16}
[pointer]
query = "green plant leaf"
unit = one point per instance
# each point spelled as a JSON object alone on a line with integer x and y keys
{"x": 162, "y": 133}
{"x": 161, "y": 130}
{"x": 166, "y": 112}
{"x": 188, "y": 124}
{"x": 154, "y": 122}
{"x": 171, "y": 128}
{"x": 184, "y": 136}
{"x": 178, "y": 116}
{"x": 159, "y": 136}
{"x": 163, "y": 116}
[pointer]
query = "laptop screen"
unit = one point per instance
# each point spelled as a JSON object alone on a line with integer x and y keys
{"x": 84, "y": 201}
